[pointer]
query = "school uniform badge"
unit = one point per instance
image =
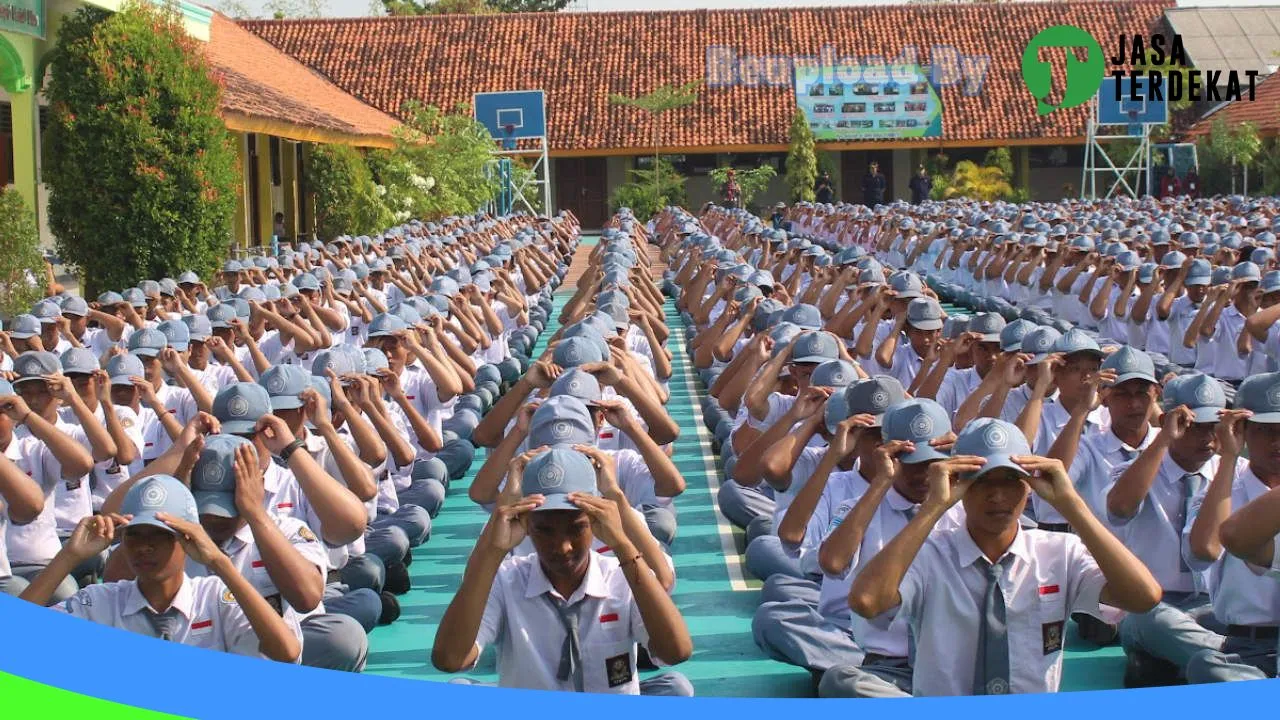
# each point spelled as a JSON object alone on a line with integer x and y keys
{"x": 1051, "y": 633}
{"x": 305, "y": 533}
{"x": 618, "y": 669}
{"x": 228, "y": 597}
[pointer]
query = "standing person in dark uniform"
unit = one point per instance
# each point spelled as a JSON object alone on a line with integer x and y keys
{"x": 921, "y": 186}
{"x": 873, "y": 185}
{"x": 823, "y": 191}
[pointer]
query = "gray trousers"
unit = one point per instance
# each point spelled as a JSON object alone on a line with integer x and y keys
{"x": 784, "y": 588}
{"x": 661, "y": 521}
{"x": 767, "y": 556}
{"x": 1172, "y": 630}
{"x": 12, "y": 585}
{"x": 878, "y": 677}
{"x": 333, "y": 641}
{"x": 65, "y": 589}
{"x": 742, "y": 504}
{"x": 792, "y": 631}
{"x": 668, "y": 684}
{"x": 1239, "y": 659}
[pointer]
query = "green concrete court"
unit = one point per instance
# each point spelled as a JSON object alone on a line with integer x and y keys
{"x": 713, "y": 590}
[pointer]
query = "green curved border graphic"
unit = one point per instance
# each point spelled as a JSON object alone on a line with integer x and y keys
{"x": 30, "y": 699}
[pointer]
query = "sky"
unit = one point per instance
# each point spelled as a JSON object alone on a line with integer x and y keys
{"x": 353, "y": 8}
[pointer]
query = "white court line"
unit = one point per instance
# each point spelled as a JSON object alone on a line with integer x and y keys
{"x": 732, "y": 560}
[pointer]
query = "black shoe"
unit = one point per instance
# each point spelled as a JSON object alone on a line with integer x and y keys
{"x": 397, "y": 579}
{"x": 390, "y": 608}
{"x": 1144, "y": 670}
{"x": 643, "y": 661}
{"x": 1095, "y": 630}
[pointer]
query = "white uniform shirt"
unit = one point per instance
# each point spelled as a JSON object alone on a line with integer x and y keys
{"x": 214, "y": 620}
{"x": 1242, "y": 594}
{"x": 1051, "y": 576}
{"x": 1097, "y": 457}
{"x": 36, "y": 543}
{"x": 1154, "y": 533}
{"x": 521, "y": 619}
{"x": 956, "y": 387}
{"x": 1181, "y": 313}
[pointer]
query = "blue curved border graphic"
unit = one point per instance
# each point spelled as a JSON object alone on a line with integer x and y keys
{"x": 114, "y": 665}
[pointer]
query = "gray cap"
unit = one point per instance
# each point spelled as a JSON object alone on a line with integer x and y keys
{"x": 577, "y": 383}
{"x": 342, "y": 359}
{"x": 556, "y": 473}
{"x": 906, "y": 285}
{"x": 1271, "y": 282}
{"x": 1201, "y": 394}
{"x": 803, "y": 315}
{"x": 955, "y": 326}
{"x": 1076, "y": 340}
{"x": 239, "y": 407}
{"x": 1040, "y": 343}
{"x": 121, "y": 368}
{"x": 1173, "y": 259}
{"x": 994, "y": 439}
{"x": 874, "y": 395}
{"x": 1260, "y": 394}
{"x": 1246, "y": 271}
{"x": 75, "y": 306}
{"x": 47, "y": 312}
{"x": 34, "y": 365}
{"x": 147, "y": 342}
{"x": 23, "y": 327}
{"x": 924, "y": 313}
{"x": 221, "y": 315}
{"x": 1200, "y": 273}
{"x": 918, "y": 421}
{"x": 159, "y": 494}
{"x": 198, "y": 328}
{"x": 575, "y": 351}
{"x": 814, "y": 347}
{"x": 1013, "y": 333}
{"x": 176, "y": 333}
{"x": 385, "y": 324}
{"x": 213, "y": 478}
{"x": 284, "y": 383}
{"x": 988, "y": 324}
{"x": 79, "y": 361}
{"x": 834, "y": 374}
{"x": 1129, "y": 363}
{"x": 561, "y": 420}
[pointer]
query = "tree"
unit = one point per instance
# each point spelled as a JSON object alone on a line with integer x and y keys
{"x": 22, "y": 276}
{"x": 281, "y": 9}
{"x": 656, "y": 104}
{"x": 438, "y": 7}
{"x": 439, "y": 162}
{"x": 1226, "y": 148}
{"x": 802, "y": 159}
{"x": 977, "y": 183}
{"x": 235, "y": 9}
{"x": 347, "y": 201}
{"x": 141, "y": 170}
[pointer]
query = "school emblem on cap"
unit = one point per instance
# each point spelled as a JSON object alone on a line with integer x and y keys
{"x": 561, "y": 429}
{"x": 996, "y": 437}
{"x": 29, "y": 366}
{"x": 1273, "y": 395}
{"x": 879, "y": 399}
{"x": 551, "y": 476}
{"x": 1204, "y": 394}
{"x": 276, "y": 385}
{"x": 922, "y": 425}
{"x": 214, "y": 475}
{"x": 154, "y": 495}
{"x": 575, "y": 385}
{"x": 838, "y": 378}
{"x": 572, "y": 353}
{"x": 238, "y": 406}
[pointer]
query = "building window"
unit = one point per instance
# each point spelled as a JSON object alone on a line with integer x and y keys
{"x": 275, "y": 160}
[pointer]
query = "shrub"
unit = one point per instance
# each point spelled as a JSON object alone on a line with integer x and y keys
{"x": 142, "y": 173}
{"x": 347, "y": 201}
{"x": 22, "y": 277}
{"x": 646, "y": 194}
{"x": 802, "y": 160}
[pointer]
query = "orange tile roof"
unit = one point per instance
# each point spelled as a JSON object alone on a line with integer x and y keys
{"x": 266, "y": 90}
{"x": 1263, "y": 111}
{"x": 580, "y": 58}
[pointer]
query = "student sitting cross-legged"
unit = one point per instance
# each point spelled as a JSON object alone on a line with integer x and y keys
{"x": 987, "y": 602}
{"x": 563, "y": 618}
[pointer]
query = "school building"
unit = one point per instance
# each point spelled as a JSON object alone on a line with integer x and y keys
{"x": 744, "y": 110}
{"x": 276, "y": 107}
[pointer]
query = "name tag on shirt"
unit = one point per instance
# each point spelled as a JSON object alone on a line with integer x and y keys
{"x": 608, "y": 618}
{"x": 1048, "y": 589}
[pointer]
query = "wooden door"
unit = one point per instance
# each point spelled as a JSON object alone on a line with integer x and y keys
{"x": 582, "y": 188}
